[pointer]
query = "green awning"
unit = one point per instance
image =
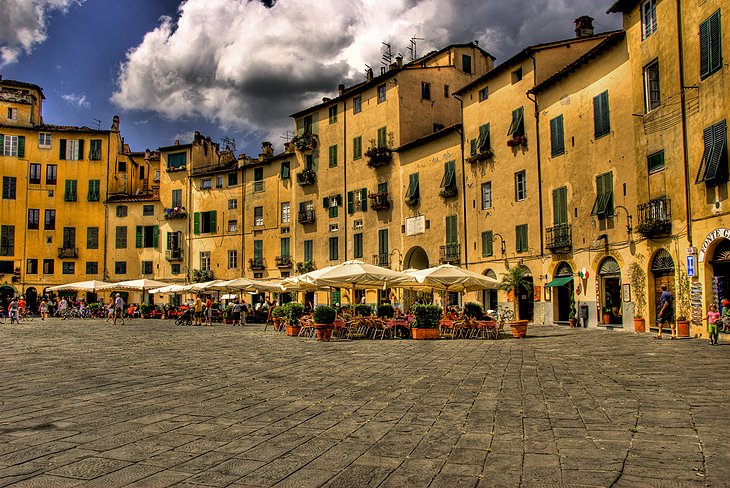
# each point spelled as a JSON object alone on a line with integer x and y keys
{"x": 560, "y": 281}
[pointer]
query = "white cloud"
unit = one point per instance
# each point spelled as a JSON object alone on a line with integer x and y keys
{"x": 23, "y": 25}
{"x": 246, "y": 67}
{"x": 78, "y": 100}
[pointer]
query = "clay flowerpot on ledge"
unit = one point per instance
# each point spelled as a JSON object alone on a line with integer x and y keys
{"x": 639, "y": 325}
{"x": 519, "y": 328}
{"x": 682, "y": 328}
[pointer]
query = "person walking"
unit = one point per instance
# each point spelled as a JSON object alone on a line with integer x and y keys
{"x": 666, "y": 313}
{"x": 118, "y": 309}
{"x": 43, "y": 309}
{"x": 198, "y": 309}
{"x": 62, "y": 307}
{"x": 208, "y": 311}
{"x": 110, "y": 310}
{"x": 713, "y": 322}
{"x": 236, "y": 309}
{"x": 13, "y": 311}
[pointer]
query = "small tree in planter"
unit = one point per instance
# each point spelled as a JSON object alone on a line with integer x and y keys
{"x": 473, "y": 310}
{"x": 637, "y": 275}
{"x": 683, "y": 302}
{"x": 228, "y": 315}
{"x": 278, "y": 314}
{"x": 426, "y": 325}
{"x": 363, "y": 310}
{"x": 146, "y": 309}
{"x": 293, "y": 311}
{"x": 515, "y": 281}
{"x": 386, "y": 311}
{"x": 324, "y": 318}
{"x": 571, "y": 312}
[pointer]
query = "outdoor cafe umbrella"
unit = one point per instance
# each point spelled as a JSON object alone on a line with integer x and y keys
{"x": 447, "y": 277}
{"x": 88, "y": 286}
{"x": 135, "y": 285}
{"x": 167, "y": 290}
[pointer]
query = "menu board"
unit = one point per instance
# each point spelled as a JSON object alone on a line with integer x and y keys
{"x": 696, "y": 300}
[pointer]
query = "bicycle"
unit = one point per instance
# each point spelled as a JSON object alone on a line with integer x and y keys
{"x": 505, "y": 314}
{"x": 26, "y": 314}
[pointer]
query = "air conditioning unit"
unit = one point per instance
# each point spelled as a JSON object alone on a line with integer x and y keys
{"x": 50, "y": 193}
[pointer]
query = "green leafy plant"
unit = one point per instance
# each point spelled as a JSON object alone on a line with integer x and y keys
{"x": 278, "y": 312}
{"x": 571, "y": 311}
{"x": 228, "y": 312}
{"x": 324, "y": 314}
{"x": 305, "y": 267}
{"x": 293, "y": 311}
{"x": 473, "y": 310}
{"x": 386, "y": 310}
{"x": 146, "y": 308}
{"x": 515, "y": 280}
{"x": 199, "y": 276}
{"x": 637, "y": 275}
{"x": 683, "y": 294}
{"x": 427, "y": 316}
{"x": 654, "y": 227}
{"x": 363, "y": 310}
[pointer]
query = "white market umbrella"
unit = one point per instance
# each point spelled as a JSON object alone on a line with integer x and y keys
{"x": 229, "y": 296}
{"x": 267, "y": 286}
{"x": 452, "y": 278}
{"x": 167, "y": 290}
{"x": 80, "y": 286}
{"x": 135, "y": 285}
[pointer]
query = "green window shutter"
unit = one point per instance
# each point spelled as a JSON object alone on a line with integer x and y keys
{"x": 284, "y": 247}
{"x": 517, "y": 127}
{"x": 326, "y": 203}
{"x": 285, "y": 170}
{"x": 212, "y": 221}
{"x": 557, "y": 142}
{"x": 62, "y": 149}
{"x": 383, "y": 187}
{"x": 473, "y": 147}
{"x": 715, "y": 42}
{"x": 601, "y": 116}
{"x": 80, "y": 154}
{"x": 333, "y": 156}
{"x": 487, "y": 243}
{"x": 169, "y": 243}
{"x": 2, "y": 144}
{"x": 382, "y": 137}
{"x": 560, "y": 206}
{"x": 21, "y": 146}
{"x": 258, "y": 249}
{"x": 350, "y": 202}
{"x": 451, "y": 231}
{"x": 68, "y": 186}
{"x": 155, "y": 236}
{"x": 364, "y": 196}
{"x": 196, "y": 223}
{"x": 357, "y": 147}
{"x": 139, "y": 241}
{"x": 483, "y": 142}
{"x": 308, "y": 250}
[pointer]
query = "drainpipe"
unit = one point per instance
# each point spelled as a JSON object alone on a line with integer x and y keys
{"x": 463, "y": 181}
{"x": 537, "y": 148}
{"x": 106, "y": 204}
{"x": 685, "y": 153}
{"x": 344, "y": 179}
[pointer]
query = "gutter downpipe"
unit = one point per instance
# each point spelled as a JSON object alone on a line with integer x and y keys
{"x": 344, "y": 178}
{"x": 539, "y": 163}
{"x": 463, "y": 182}
{"x": 685, "y": 153}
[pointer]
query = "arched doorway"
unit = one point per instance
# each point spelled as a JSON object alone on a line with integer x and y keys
{"x": 31, "y": 298}
{"x": 721, "y": 272}
{"x": 609, "y": 273}
{"x": 662, "y": 271}
{"x": 526, "y": 300}
{"x": 415, "y": 258}
{"x": 489, "y": 297}
{"x": 7, "y": 293}
{"x": 562, "y": 291}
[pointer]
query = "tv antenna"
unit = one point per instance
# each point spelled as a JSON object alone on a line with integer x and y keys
{"x": 413, "y": 47}
{"x": 288, "y": 136}
{"x": 229, "y": 143}
{"x": 98, "y": 124}
{"x": 387, "y": 58}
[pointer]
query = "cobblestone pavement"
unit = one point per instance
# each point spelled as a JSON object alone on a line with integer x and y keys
{"x": 152, "y": 404}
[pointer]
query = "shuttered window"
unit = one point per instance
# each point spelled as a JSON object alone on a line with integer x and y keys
{"x": 357, "y": 245}
{"x": 560, "y": 206}
{"x": 557, "y": 139}
{"x": 487, "y": 244}
{"x": 357, "y": 147}
{"x": 521, "y": 238}
{"x": 308, "y": 251}
{"x": 601, "y": 117}
{"x": 12, "y": 146}
{"x": 483, "y": 143}
{"x": 714, "y": 162}
{"x": 448, "y": 181}
{"x": 258, "y": 249}
{"x": 603, "y": 206}
{"x": 710, "y": 45}
{"x": 285, "y": 170}
{"x": 517, "y": 127}
{"x": 452, "y": 232}
{"x": 383, "y": 137}
{"x": 333, "y": 156}
{"x": 413, "y": 191}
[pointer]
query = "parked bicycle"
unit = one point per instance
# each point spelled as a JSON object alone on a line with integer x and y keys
{"x": 26, "y": 314}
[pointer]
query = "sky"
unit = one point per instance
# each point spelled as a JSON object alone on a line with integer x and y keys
{"x": 238, "y": 68}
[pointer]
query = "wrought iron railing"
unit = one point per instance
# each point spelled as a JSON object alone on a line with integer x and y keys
{"x": 450, "y": 254}
{"x": 559, "y": 236}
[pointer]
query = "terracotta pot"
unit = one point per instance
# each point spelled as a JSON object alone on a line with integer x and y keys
{"x": 606, "y": 318}
{"x": 519, "y": 328}
{"x": 324, "y": 331}
{"x": 683, "y": 328}
{"x": 572, "y": 322}
{"x": 639, "y": 325}
{"x": 424, "y": 334}
{"x": 228, "y": 321}
{"x": 293, "y": 330}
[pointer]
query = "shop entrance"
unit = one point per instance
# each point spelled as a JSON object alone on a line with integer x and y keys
{"x": 721, "y": 272}
{"x": 562, "y": 285}
{"x": 7, "y": 293}
{"x": 489, "y": 297}
{"x": 662, "y": 271}
{"x": 31, "y": 298}
{"x": 526, "y": 299}
{"x": 609, "y": 273}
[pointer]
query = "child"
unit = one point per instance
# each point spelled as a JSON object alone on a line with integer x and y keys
{"x": 713, "y": 318}
{"x": 43, "y": 309}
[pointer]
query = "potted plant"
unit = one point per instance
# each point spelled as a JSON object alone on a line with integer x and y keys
{"x": 426, "y": 324}
{"x": 363, "y": 310}
{"x": 606, "y": 315}
{"x": 683, "y": 302}
{"x": 571, "y": 313}
{"x": 515, "y": 281}
{"x": 386, "y": 311}
{"x": 278, "y": 315}
{"x": 146, "y": 309}
{"x": 637, "y": 275}
{"x": 324, "y": 318}
{"x": 473, "y": 310}
{"x": 292, "y": 312}
{"x": 228, "y": 315}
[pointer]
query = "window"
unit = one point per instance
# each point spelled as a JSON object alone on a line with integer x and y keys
{"x": 12, "y": 113}
{"x": 34, "y": 177}
{"x": 175, "y": 269}
{"x": 204, "y": 222}
{"x": 70, "y": 194}
{"x": 560, "y": 206}
{"x": 425, "y": 91}
{"x": 413, "y": 193}
{"x": 146, "y": 267}
{"x": 34, "y": 216}
{"x": 12, "y": 146}
{"x": 285, "y": 213}
{"x": 603, "y": 206}
{"x": 177, "y": 161}
{"x": 232, "y": 204}
{"x": 205, "y": 261}
{"x": 383, "y": 137}
{"x": 148, "y": 210}
{"x": 357, "y": 201}
{"x": 304, "y": 125}
{"x": 232, "y": 225}
{"x": 92, "y": 238}
{"x": 232, "y": 259}
{"x": 92, "y": 267}
{"x": 71, "y": 149}
{"x": 601, "y": 118}
{"x": 258, "y": 250}
{"x": 383, "y": 247}
{"x": 452, "y": 232}
{"x": 710, "y": 45}
{"x": 48, "y": 266}
{"x": 69, "y": 237}
{"x": 176, "y": 198}
{"x": 258, "y": 216}
{"x": 232, "y": 179}
{"x": 285, "y": 170}
{"x": 652, "y": 96}
{"x": 557, "y": 138}
{"x": 120, "y": 267}
{"x": 94, "y": 192}
{"x": 520, "y": 186}
{"x": 357, "y": 104}
{"x": 357, "y": 148}
{"x": 487, "y": 195}
{"x": 483, "y": 143}
{"x": 713, "y": 165}
{"x": 466, "y": 63}
{"x": 285, "y": 247}
{"x": 648, "y": 18}
{"x": 120, "y": 241}
{"x": 49, "y": 220}
{"x": 655, "y": 162}
{"x": 333, "y": 114}
{"x": 7, "y": 240}
{"x": 333, "y": 156}
{"x": 357, "y": 245}
{"x": 446, "y": 91}
{"x": 31, "y": 266}
{"x": 517, "y": 126}
{"x": 51, "y": 174}
{"x": 521, "y": 238}
{"x": 44, "y": 140}
{"x": 206, "y": 184}
{"x": 258, "y": 179}
{"x": 487, "y": 244}
{"x": 9, "y": 183}
{"x": 308, "y": 251}
{"x": 146, "y": 236}
{"x": 121, "y": 210}
{"x": 517, "y": 75}
{"x": 334, "y": 248}
{"x": 219, "y": 181}
{"x": 122, "y": 166}
{"x": 381, "y": 93}
{"x": 95, "y": 150}
{"x": 483, "y": 93}
{"x": 448, "y": 181}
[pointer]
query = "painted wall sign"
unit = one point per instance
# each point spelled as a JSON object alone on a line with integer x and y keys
{"x": 691, "y": 265}
{"x": 720, "y": 233}
{"x": 416, "y": 225}
{"x": 696, "y": 301}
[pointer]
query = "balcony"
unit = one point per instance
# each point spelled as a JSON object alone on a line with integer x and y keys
{"x": 450, "y": 254}
{"x": 559, "y": 237}
{"x": 69, "y": 196}
{"x": 68, "y": 252}
{"x": 306, "y": 177}
{"x": 283, "y": 262}
{"x": 256, "y": 264}
{"x": 305, "y": 267}
{"x": 382, "y": 259}
{"x": 305, "y": 142}
{"x": 379, "y": 201}
{"x": 175, "y": 213}
{"x": 379, "y": 156}
{"x": 306, "y": 216}
{"x": 93, "y": 196}
{"x": 449, "y": 191}
{"x": 655, "y": 218}
{"x": 174, "y": 255}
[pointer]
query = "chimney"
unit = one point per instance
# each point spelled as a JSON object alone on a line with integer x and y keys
{"x": 267, "y": 150}
{"x": 177, "y": 142}
{"x": 369, "y": 74}
{"x": 399, "y": 61}
{"x": 583, "y": 26}
{"x": 341, "y": 89}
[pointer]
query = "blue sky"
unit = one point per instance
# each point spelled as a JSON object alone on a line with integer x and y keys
{"x": 238, "y": 68}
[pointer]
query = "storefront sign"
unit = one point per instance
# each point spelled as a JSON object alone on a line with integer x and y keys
{"x": 696, "y": 300}
{"x": 536, "y": 293}
{"x": 721, "y": 233}
{"x": 691, "y": 265}
{"x": 416, "y": 225}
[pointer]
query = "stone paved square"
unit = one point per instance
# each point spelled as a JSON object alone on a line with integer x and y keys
{"x": 152, "y": 404}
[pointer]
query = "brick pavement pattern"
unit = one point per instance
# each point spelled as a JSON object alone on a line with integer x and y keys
{"x": 152, "y": 404}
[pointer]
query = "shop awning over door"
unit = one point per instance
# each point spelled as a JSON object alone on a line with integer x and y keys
{"x": 559, "y": 281}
